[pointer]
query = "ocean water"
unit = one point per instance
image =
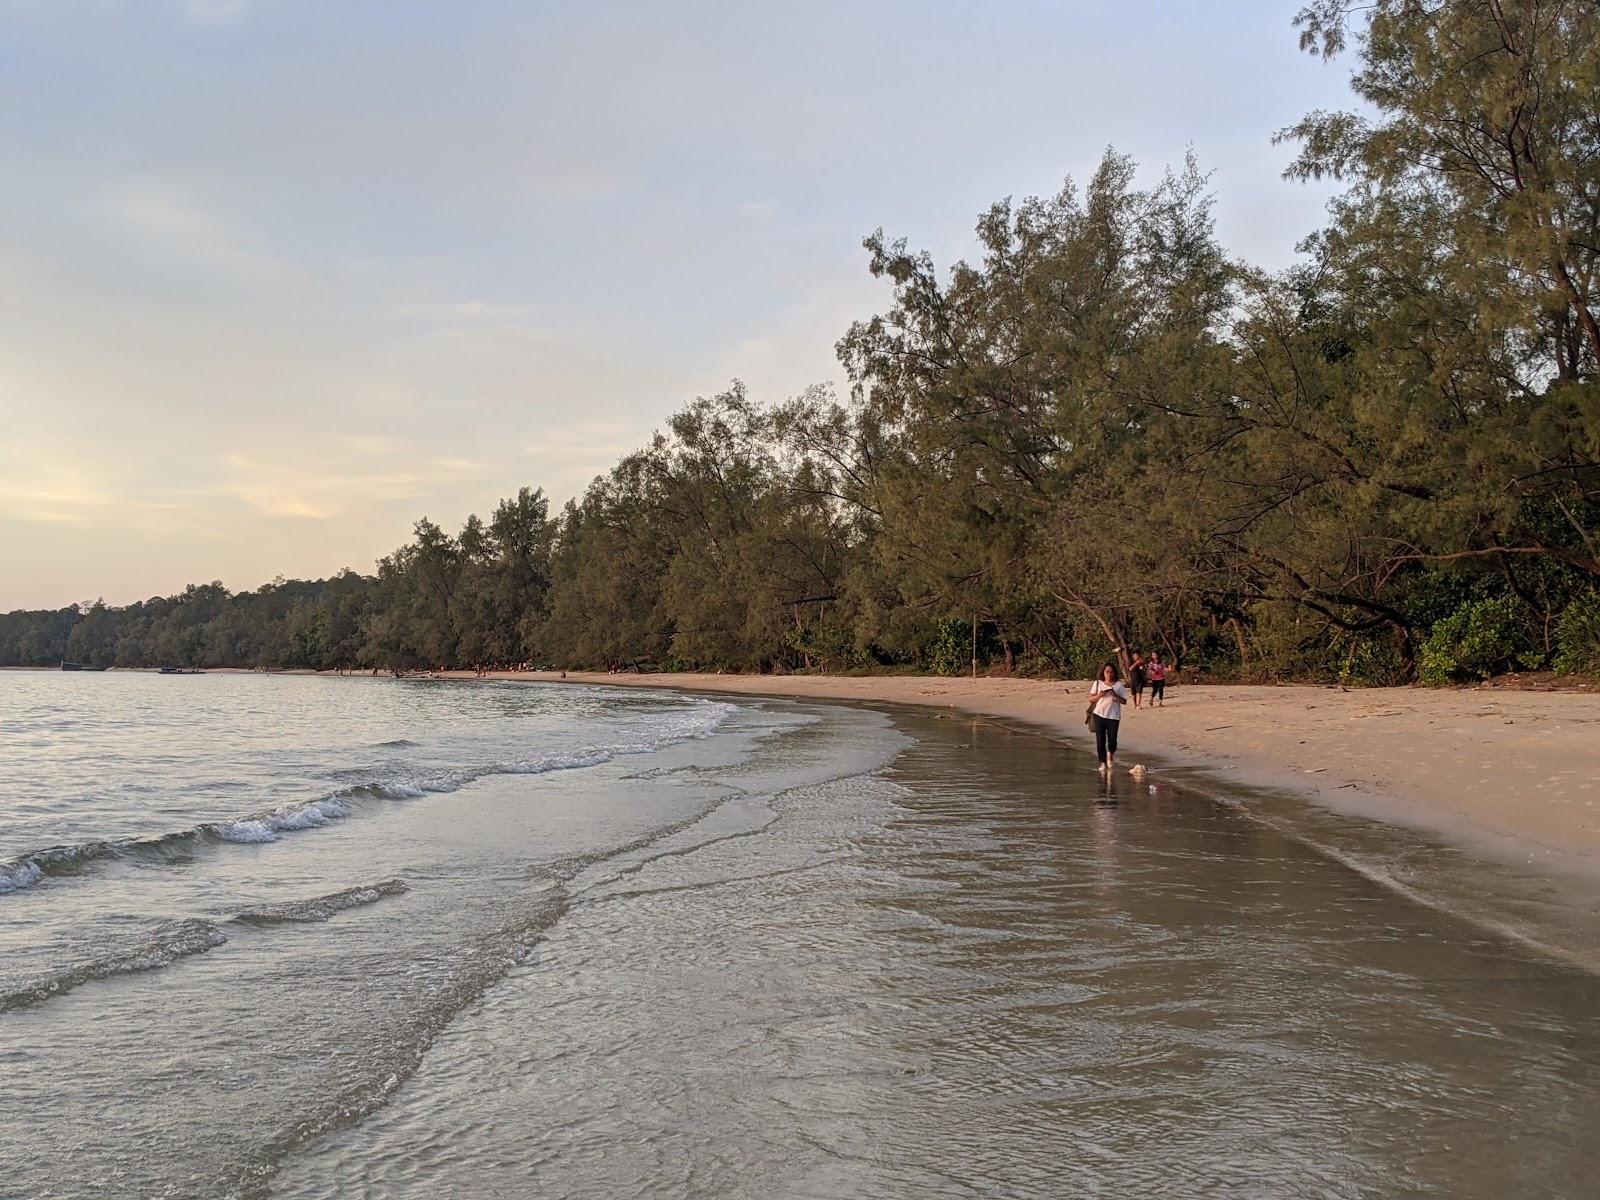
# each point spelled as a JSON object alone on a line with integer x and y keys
{"x": 295, "y": 937}
{"x": 236, "y": 910}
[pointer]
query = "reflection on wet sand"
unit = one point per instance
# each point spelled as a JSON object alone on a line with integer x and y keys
{"x": 988, "y": 972}
{"x": 1196, "y": 1002}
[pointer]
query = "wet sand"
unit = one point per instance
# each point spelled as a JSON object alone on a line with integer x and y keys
{"x": 1514, "y": 773}
{"x": 982, "y": 971}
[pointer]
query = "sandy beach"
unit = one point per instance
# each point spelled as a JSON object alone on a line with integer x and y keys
{"x": 1514, "y": 772}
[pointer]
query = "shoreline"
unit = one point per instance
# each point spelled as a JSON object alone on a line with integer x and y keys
{"x": 1512, "y": 773}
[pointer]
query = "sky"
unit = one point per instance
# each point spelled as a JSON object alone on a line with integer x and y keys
{"x": 278, "y": 277}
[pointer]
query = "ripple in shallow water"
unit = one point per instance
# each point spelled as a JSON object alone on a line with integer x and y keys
{"x": 985, "y": 975}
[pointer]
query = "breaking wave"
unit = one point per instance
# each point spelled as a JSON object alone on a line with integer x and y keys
{"x": 321, "y": 908}
{"x": 182, "y": 939}
{"x": 162, "y": 948}
{"x": 18, "y": 874}
{"x": 289, "y": 819}
{"x": 26, "y": 870}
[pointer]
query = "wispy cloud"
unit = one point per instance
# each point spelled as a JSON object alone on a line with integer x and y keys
{"x": 334, "y": 486}
{"x": 170, "y": 216}
{"x": 52, "y": 494}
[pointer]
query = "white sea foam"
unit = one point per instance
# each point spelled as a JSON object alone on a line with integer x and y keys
{"x": 268, "y": 826}
{"x": 246, "y": 831}
{"x": 698, "y": 723}
{"x": 559, "y": 762}
{"x": 22, "y": 873}
{"x": 698, "y": 720}
{"x": 695, "y": 724}
{"x": 308, "y": 816}
{"x": 400, "y": 791}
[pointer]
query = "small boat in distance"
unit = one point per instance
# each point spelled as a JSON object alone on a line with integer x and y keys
{"x": 69, "y": 666}
{"x": 179, "y": 671}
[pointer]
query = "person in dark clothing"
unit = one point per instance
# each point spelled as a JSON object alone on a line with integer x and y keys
{"x": 1136, "y": 679}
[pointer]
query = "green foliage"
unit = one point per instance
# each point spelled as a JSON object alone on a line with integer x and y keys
{"x": 1578, "y": 636}
{"x": 1479, "y": 639}
{"x": 1083, "y": 656}
{"x": 949, "y": 650}
{"x": 827, "y": 646}
{"x": 1370, "y": 662}
{"x": 1100, "y": 435}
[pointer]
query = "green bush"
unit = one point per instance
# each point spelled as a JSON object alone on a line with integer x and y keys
{"x": 1578, "y": 636}
{"x": 1293, "y": 643}
{"x": 827, "y": 647}
{"x": 1078, "y": 655}
{"x": 1371, "y": 661}
{"x": 949, "y": 650}
{"x": 1480, "y": 639}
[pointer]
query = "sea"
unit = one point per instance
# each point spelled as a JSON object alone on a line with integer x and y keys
{"x": 285, "y": 936}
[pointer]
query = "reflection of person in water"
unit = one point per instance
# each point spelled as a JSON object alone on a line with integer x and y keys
{"x": 1108, "y": 696}
{"x": 1103, "y": 839}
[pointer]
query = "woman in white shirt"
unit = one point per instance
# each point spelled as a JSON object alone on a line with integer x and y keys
{"x": 1107, "y": 696}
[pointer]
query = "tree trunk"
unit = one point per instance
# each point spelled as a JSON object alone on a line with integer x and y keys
{"x": 1238, "y": 633}
{"x": 1113, "y": 631}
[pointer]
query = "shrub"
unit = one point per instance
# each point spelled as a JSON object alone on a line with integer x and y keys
{"x": 1578, "y": 636}
{"x": 1291, "y": 643}
{"x": 829, "y": 647}
{"x": 1479, "y": 639}
{"x": 949, "y": 650}
{"x": 1371, "y": 661}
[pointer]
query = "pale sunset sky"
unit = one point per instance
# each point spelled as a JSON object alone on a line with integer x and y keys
{"x": 280, "y": 276}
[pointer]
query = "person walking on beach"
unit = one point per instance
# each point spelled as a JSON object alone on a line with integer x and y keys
{"x": 1158, "y": 681}
{"x": 1107, "y": 695}
{"x": 1136, "y": 678}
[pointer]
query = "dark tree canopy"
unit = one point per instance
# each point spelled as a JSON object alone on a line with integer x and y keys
{"x": 1102, "y": 435}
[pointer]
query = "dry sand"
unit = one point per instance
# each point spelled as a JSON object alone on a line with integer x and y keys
{"x": 1517, "y": 772}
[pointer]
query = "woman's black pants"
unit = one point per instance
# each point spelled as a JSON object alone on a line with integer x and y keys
{"x": 1105, "y": 736}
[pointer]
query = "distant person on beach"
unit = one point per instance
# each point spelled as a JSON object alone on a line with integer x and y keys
{"x": 1158, "y": 681}
{"x": 1107, "y": 695}
{"x": 1136, "y": 678}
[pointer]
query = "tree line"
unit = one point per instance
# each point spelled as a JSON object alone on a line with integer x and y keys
{"x": 1102, "y": 434}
